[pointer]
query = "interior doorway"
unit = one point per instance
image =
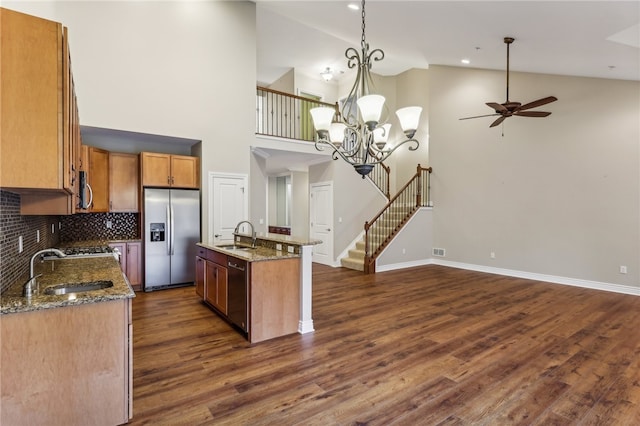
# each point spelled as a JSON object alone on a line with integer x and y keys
{"x": 321, "y": 221}
{"x": 229, "y": 201}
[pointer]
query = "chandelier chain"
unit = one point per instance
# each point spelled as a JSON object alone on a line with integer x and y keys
{"x": 363, "y": 42}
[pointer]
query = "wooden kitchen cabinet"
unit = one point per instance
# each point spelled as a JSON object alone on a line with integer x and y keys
{"x": 73, "y": 365}
{"x": 169, "y": 171}
{"x": 216, "y": 286}
{"x": 211, "y": 279}
{"x": 39, "y": 153}
{"x": 123, "y": 182}
{"x": 99, "y": 179}
{"x": 131, "y": 262}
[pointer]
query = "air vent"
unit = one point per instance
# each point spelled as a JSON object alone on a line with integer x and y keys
{"x": 438, "y": 252}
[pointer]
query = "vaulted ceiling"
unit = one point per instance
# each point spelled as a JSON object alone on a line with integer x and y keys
{"x": 581, "y": 38}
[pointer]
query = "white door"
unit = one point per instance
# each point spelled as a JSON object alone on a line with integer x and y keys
{"x": 229, "y": 205}
{"x": 321, "y": 212}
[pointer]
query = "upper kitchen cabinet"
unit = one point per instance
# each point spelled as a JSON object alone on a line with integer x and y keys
{"x": 113, "y": 179}
{"x": 40, "y": 150}
{"x": 169, "y": 171}
{"x": 123, "y": 182}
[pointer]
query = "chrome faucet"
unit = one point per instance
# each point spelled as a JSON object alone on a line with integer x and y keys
{"x": 31, "y": 286}
{"x": 253, "y": 232}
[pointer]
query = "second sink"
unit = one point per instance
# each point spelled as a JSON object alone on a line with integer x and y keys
{"x": 57, "y": 290}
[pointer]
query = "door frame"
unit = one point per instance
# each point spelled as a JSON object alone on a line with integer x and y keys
{"x": 330, "y": 247}
{"x": 217, "y": 175}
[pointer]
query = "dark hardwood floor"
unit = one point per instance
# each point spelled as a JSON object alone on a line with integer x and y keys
{"x": 421, "y": 346}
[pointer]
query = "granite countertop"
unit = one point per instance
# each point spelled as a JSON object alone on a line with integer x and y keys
{"x": 63, "y": 271}
{"x": 268, "y": 247}
{"x": 258, "y": 254}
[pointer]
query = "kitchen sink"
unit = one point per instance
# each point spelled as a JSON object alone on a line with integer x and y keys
{"x": 60, "y": 289}
{"x": 235, "y": 247}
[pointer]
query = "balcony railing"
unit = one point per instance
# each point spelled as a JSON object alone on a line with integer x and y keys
{"x": 284, "y": 115}
{"x": 287, "y": 116}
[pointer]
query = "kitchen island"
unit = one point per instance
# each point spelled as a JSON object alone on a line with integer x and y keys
{"x": 68, "y": 358}
{"x": 277, "y": 296}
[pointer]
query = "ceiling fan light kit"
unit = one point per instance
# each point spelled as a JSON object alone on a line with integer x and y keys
{"x": 510, "y": 108}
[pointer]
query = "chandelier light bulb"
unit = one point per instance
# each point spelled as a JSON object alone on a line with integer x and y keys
{"x": 322, "y": 117}
{"x": 336, "y": 133}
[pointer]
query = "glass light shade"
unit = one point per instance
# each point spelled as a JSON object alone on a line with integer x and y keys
{"x": 381, "y": 134}
{"x": 370, "y": 109}
{"x": 322, "y": 117}
{"x": 336, "y": 133}
{"x": 409, "y": 118}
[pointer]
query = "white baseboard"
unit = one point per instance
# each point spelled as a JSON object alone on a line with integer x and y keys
{"x": 595, "y": 285}
{"x": 305, "y": 327}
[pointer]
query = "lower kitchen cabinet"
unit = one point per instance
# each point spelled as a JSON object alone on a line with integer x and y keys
{"x": 216, "y": 286}
{"x": 271, "y": 293}
{"x": 69, "y": 365}
{"x": 131, "y": 262}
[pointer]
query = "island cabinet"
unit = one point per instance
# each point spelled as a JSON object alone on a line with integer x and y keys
{"x": 169, "y": 171}
{"x": 211, "y": 279}
{"x": 69, "y": 365}
{"x": 39, "y": 154}
{"x": 272, "y": 294}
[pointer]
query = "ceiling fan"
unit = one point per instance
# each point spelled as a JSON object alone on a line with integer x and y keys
{"x": 509, "y": 108}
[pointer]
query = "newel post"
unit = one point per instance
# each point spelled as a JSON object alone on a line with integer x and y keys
{"x": 419, "y": 187}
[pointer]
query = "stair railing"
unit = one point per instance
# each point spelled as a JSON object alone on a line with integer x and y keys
{"x": 379, "y": 232}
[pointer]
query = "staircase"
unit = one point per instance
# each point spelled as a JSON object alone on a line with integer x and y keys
{"x": 383, "y": 228}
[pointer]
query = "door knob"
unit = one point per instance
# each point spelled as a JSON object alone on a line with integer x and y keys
{"x": 328, "y": 229}
{"x": 217, "y": 235}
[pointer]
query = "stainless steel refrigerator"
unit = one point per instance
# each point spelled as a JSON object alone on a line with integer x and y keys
{"x": 171, "y": 229}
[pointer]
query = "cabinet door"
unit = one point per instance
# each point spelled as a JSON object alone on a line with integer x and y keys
{"x": 31, "y": 103}
{"x": 99, "y": 166}
{"x": 123, "y": 182}
{"x": 184, "y": 172}
{"x": 156, "y": 169}
{"x": 200, "y": 276}
{"x": 211, "y": 280}
{"x": 122, "y": 248}
{"x": 134, "y": 264}
{"x": 221, "y": 289}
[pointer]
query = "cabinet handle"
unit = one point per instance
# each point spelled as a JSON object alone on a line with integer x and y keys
{"x": 169, "y": 180}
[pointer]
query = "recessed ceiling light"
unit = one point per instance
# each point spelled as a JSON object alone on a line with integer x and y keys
{"x": 466, "y": 61}
{"x": 353, "y": 6}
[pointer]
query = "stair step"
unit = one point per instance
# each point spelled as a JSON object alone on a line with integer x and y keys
{"x": 354, "y": 264}
{"x": 356, "y": 254}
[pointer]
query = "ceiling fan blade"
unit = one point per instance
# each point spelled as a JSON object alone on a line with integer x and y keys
{"x": 497, "y": 107}
{"x": 532, "y": 113}
{"x": 478, "y": 116}
{"x": 498, "y": 121}
{"x": 538, "y": 103}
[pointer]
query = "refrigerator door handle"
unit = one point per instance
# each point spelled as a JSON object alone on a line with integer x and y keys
{"x": 169, "y": 230}
{"x": 172, "y": 235}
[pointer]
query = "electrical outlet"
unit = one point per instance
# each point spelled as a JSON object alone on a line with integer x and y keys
{"x": 59, "y": 225}
{"x": 404, "y": 251}
{"x": 20, "y": 248}
{"x": 493, "y": 255}
{"x": 261, "y": 221}
{"x": 623, "y": 269}
{"x": 37, "y": 235}
{"x": 279, "y": 247}
{"x": 290, "y": 249}
{"x": 109, "y": 224}
{"x": 53, "y": 228}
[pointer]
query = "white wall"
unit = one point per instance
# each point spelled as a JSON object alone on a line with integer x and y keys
{"x": 557, "y": 195}
{"x": 183, "y": 69}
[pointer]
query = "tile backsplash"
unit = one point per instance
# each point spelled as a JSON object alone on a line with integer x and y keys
{"x": 14, "y": 265}
{"x": 52, "y": 231}
{"x": 99, "y": 226}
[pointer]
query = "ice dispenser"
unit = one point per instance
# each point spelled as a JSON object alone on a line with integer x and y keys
{"x": 156, "y": 231}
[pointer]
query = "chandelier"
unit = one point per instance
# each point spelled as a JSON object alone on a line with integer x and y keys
{"x": 358, "y": 132}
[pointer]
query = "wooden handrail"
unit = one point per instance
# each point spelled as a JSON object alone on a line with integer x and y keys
{"x": 371, "y": 253}
{"x": 302, "y": 98}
